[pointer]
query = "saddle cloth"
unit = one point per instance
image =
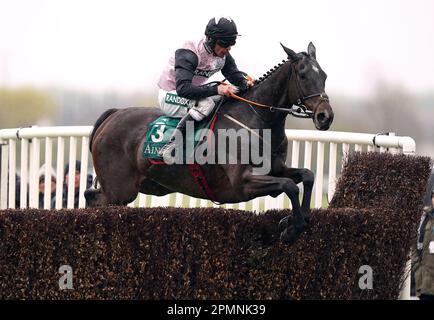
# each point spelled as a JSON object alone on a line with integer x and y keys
{"x": 161, "y": 129}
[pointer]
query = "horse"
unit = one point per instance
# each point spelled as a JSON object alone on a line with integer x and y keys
{"x": 117, "y": 139}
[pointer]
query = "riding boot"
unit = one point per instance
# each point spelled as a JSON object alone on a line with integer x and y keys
{"x": 173, "y": 144}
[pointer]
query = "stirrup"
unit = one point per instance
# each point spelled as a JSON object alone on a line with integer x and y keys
{"x": 166, "y": 149}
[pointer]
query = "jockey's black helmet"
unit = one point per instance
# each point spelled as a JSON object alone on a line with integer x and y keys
{"x": 222, "y": 30}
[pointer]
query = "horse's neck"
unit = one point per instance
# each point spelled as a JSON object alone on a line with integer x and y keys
{"x": 272, "y": 92}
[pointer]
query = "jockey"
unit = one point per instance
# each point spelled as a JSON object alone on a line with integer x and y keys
{"x": 182, "y": 92}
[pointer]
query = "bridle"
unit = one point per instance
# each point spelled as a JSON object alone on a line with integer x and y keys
{"x": 300, "y": 101}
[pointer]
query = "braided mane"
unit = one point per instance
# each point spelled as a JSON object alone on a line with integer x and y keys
{"x": 270, "y": 72}
{"x": 277, "y": 67}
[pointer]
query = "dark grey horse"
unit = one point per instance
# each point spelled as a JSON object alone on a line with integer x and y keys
{"x": 118, "y": 136}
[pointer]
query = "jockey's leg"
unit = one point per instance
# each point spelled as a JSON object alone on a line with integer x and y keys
{"x": 198, "y": 111}
{"x": 168, "y": 148}
{"x": 173, "y": 105}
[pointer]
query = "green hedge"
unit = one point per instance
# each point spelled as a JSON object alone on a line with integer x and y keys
{"x": 169, "y": 253}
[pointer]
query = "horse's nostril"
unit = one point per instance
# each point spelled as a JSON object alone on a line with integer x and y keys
{"x": 321, "y": 117}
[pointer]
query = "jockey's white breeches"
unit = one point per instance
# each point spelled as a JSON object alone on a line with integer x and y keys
{"x": 177, "y": 107}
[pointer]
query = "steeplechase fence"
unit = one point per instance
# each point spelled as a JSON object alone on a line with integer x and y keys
{"x": 24, "y": 150}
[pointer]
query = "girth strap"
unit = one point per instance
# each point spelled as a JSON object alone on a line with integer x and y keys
{"x": 197, "y": 173}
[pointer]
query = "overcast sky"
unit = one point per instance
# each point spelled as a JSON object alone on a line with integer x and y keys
{"x": 124, "y": 44}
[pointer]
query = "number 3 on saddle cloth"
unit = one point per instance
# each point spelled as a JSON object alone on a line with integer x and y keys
{"x": 159, "y": 133}
{"x": 161, "y": 130}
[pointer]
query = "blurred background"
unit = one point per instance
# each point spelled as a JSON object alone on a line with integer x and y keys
{"x": 65, "y": 62}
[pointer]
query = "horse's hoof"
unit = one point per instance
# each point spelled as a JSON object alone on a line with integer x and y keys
{"x": 283, "y": 223}
{"x": 307, "y": 217}
{"x": 291, "y": 233}
{"x": 91, "y": 196}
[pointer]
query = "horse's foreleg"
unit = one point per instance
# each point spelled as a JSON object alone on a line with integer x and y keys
{"x": 258, "y": 186}
{"x": 307, "y": 177}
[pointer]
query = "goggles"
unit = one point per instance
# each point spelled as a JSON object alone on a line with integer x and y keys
{"x": 225, "y": 43}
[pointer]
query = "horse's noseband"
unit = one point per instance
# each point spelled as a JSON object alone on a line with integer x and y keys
{"x": 300, "y": 103}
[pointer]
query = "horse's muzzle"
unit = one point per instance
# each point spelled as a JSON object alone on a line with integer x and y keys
{"x": 323, "y": 120}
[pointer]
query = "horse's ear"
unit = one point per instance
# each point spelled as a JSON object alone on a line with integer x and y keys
{"x": 291, "y": 54}
{"x": 311, "y": 50}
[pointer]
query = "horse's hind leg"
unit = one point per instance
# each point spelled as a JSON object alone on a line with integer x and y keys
{"x": 95, "y": 198}
{"x": 124, "y": 191}
{"x": 153, "y": 188}
{"x": 119, "y": 184}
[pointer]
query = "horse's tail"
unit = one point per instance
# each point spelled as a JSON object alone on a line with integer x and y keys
{"x": 99, "y": 122}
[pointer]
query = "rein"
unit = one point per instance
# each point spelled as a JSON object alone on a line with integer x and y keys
{"x": 300, "y": 112}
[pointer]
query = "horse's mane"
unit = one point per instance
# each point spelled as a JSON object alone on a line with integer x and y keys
{"x": 274, "y": 69}
{"x": 266, "y": 75}
{"x": 277, "y": 67}
{"x": 270, "y": 72}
